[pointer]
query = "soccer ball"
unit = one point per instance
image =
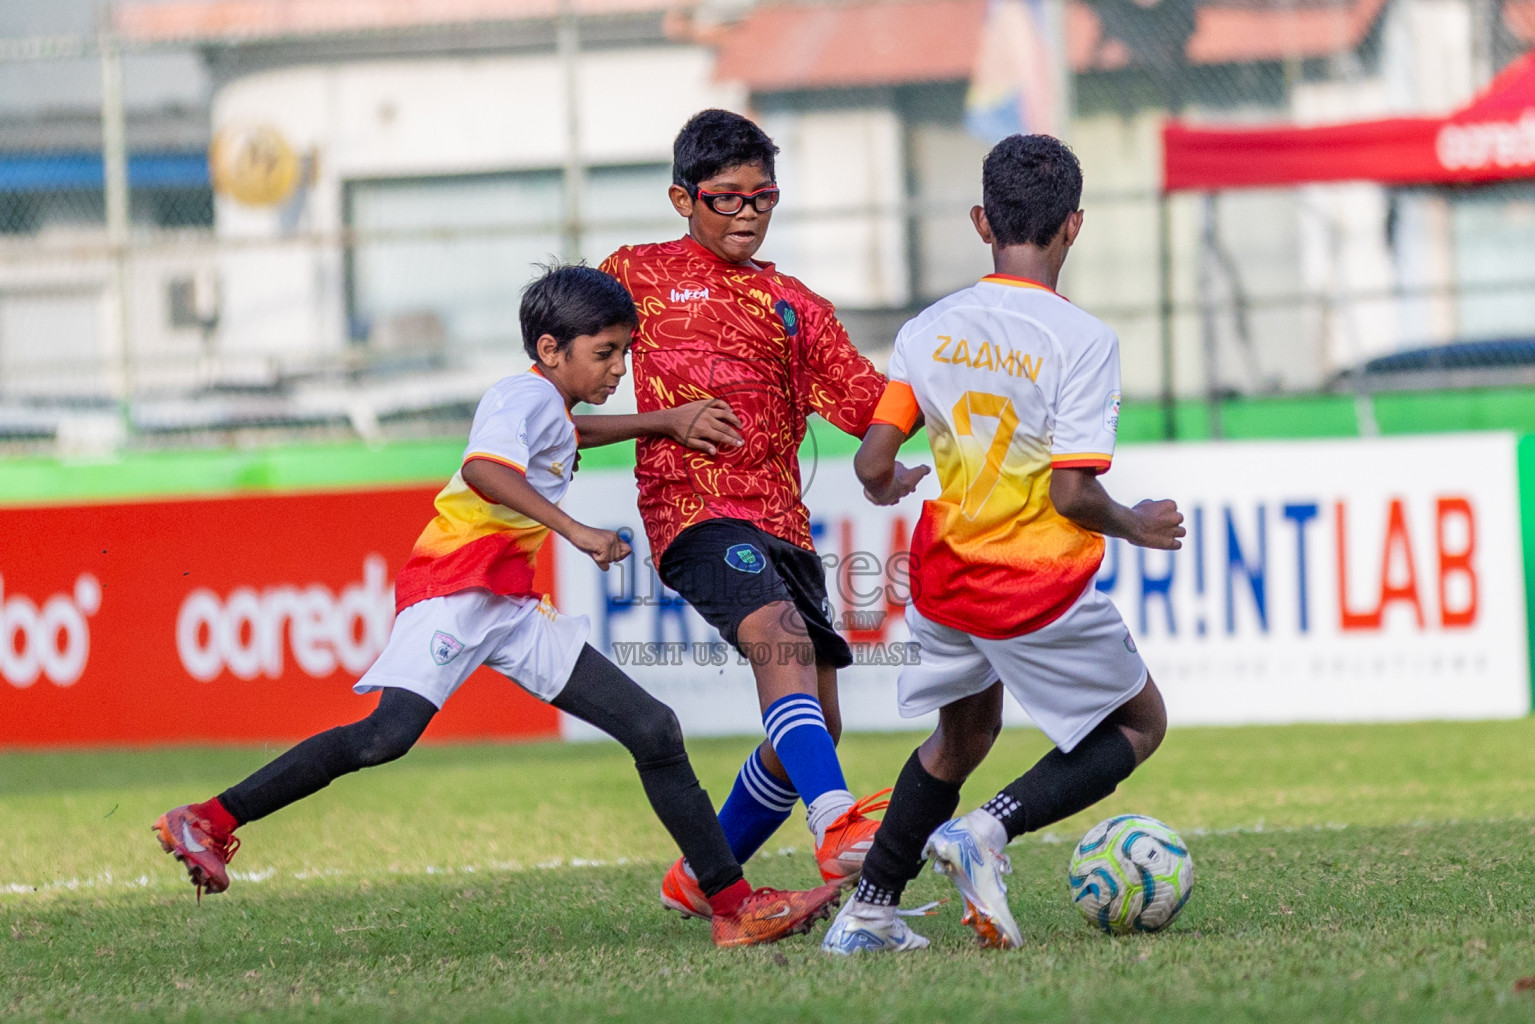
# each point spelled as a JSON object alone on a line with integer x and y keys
{"x": 1131, "y": 874}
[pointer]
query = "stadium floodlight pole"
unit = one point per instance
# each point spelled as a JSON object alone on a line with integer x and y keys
{"x": 567, "y": 44}
{"x": 114, "y": 158}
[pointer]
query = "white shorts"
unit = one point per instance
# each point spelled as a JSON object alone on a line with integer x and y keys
{"x": 1068, "y": 676}
{"x": 437, "y": 643}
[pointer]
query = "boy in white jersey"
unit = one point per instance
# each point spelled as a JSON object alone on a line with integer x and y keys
{"x": 1019, "y": 390}
{"x": 465, "y": 599}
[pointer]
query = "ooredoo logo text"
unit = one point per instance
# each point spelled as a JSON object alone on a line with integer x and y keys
{"x": 250, "y": 632}
{"x": 51, "y": 640}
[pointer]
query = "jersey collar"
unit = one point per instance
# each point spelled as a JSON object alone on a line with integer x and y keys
{"x": 1013, "y": 281}
{"x": 697, "y": 249}
{"x": 537, "y": 371}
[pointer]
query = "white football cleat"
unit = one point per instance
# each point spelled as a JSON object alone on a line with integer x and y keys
{"x": 865, "y": 928}
{"x": 976, "y": 871}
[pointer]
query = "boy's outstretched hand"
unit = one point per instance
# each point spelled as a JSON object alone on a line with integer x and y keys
{"x": 1160, "y": 524}
{"x": 901, "y": 482}
{"x": 605, "y": 546}
{"x": 706, "y": 425}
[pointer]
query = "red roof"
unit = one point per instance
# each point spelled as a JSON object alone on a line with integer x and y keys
{"x": 267, "y": 19}
{"x": 1236, "y": 35}
{"x": 859, "y": 44}
{"x": 869, "y": 42}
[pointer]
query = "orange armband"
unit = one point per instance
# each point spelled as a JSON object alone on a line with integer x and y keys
{"x": 897, "y": 406}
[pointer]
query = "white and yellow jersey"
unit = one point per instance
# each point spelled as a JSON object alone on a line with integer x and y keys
{"x": 1012, "y": 380}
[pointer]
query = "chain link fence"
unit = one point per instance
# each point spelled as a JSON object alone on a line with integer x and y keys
{"x": 321, "y": 229}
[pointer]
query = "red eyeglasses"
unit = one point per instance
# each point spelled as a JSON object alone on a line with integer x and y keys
{"x": 728, "y": 204}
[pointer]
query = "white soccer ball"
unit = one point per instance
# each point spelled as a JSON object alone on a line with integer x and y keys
{"x": 1131, "y": 874}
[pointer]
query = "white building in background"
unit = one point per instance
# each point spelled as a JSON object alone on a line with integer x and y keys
{"x": 433, "y": 167}
{"x": 449, "y": 173}
{"x": 434, "y": 162}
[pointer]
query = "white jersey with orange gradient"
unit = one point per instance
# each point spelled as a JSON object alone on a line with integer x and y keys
{"x": 1013, "y": 381}
{"x": 521, "y": 423}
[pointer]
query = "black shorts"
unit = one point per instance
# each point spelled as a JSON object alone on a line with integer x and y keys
{"x": 728, "y": 568}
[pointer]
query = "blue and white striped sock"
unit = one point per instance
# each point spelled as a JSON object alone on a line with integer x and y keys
{"x": 758, "y": 804}
{"x": 797, "y": 731}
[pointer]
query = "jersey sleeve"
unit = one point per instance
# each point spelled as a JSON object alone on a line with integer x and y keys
{"x": 1087, "y": 408}
{"x": 844, "y": 386}
{"x": 616, "y": 267}
{"x": 509, "y": 426}
{"x": 898, "y": 405}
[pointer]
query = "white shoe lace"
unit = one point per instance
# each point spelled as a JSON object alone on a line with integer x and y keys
{"x": 926, "y": 910}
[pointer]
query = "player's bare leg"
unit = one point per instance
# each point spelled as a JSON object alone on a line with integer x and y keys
{"x": 966, "y": 730}
{"x": 1143, "y": 720}
{"x": 784, "y": 658}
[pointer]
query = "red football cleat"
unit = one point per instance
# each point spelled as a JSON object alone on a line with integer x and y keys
{"x": 199, "y": 846}
{"x": 768, "y": 915}
{"x": 680, "y": 892}
{"x": 848, "y": 839}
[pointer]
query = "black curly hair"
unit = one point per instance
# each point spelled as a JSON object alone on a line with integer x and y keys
{"x": 1030, "y": 184}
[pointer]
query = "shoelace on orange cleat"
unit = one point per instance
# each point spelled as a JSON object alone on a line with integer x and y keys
{"x": 872, "y": 802}
{"x": 226, "y": 846}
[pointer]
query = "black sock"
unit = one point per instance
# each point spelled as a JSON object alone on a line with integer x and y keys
{"x": 602, "y": 695}
{"x": 919, "y": 804}
{"x": 1060, "y": 785}
{"x": 392, "y": 729}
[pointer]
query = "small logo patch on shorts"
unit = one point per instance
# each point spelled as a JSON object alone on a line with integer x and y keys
{"x": 745, "y": 558}
{"x": 1129, "y": 643}
{"x": 445, "y": 647}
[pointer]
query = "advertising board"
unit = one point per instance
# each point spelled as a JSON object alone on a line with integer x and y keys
{"x": 1320, "y": 581}
{"x": 213, "y": 620}
{"x": 1351, "y": 580}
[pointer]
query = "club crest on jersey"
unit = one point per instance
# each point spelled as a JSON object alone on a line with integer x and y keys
{"x": 745, "y": 558}
{"x": 445, "y": 647}
{"x": 788, "y": 316}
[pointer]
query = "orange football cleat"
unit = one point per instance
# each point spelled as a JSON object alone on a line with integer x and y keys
{"x": 768, "y": 915}
{"x": 202, "y": 849}
{"x": 680, "y": 892}
{"x": 848, "y": 839}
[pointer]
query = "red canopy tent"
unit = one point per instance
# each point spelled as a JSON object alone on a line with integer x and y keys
{"x": 1492, "y": 139}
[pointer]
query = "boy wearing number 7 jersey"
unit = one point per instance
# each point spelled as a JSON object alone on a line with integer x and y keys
{"x": 1020, "y": 393}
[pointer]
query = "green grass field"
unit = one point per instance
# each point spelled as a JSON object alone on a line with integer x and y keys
{"x": 1344, "y": 873}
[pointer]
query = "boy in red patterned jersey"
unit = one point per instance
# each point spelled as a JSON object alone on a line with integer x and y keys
{"x": 729, "y": 531}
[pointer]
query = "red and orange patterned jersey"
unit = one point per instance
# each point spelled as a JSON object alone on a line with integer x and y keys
{"x": 763, "y": 342}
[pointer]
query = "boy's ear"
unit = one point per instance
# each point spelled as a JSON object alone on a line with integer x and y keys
{"x": 681, "y": 201}
{"x": 548, "y": 350}
{"x": 1073, "y": 227}
{"x": 982, "y": 225}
